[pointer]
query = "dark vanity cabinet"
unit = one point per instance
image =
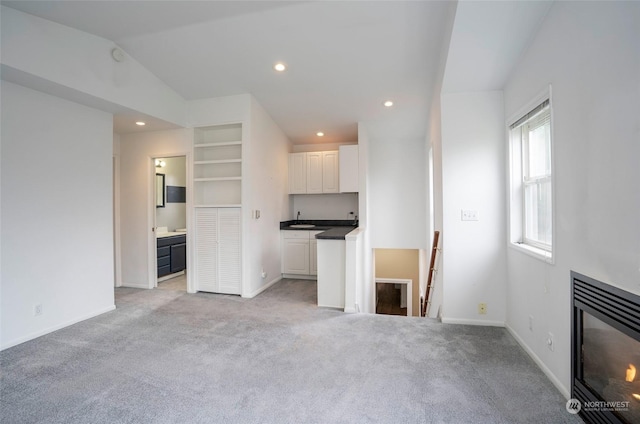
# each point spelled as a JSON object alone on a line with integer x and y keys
{"x": 172, "y": 254}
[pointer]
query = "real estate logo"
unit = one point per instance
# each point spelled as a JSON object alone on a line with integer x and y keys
{"x": 573, "y": 406}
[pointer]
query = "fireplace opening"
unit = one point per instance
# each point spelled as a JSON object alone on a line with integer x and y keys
{"x": 609, "y": 360}
{"x": 605, "y": 351}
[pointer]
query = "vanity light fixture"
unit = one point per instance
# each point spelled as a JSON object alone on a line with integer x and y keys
{"x": 320, "y": 134}
{"x": 280, "y": 67}
{"x": 140, "y": 123}
{"x": 388, "y": 103}
{"x": 160, "y": 163}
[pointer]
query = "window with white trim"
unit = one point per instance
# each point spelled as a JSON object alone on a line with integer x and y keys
{"x": 531, "y": 180}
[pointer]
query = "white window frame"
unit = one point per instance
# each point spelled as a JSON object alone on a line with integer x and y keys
{"x": 517, "y": 180}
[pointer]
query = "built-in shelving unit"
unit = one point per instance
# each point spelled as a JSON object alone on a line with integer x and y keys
{"x": 217, "y": 173}
{"x": 217, "y": 200}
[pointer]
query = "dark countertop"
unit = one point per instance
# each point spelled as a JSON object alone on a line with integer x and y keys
{"x": 331, "y": 229}
{"x": 336, "y": 233}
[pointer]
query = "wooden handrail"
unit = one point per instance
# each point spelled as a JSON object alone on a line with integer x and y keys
{"x": 434, "y": 250}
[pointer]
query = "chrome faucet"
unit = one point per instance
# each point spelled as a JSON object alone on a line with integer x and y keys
{"x": 298, "y": 217}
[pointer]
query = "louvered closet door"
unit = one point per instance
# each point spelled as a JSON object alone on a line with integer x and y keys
{"x": 206, "y": 238}
{"x": 230, "y": 252}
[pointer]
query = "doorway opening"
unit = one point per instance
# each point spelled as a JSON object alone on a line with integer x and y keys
{"x": 394, "y": 296}
{"x": 397, "y": 281}
{"x": 170, "y": 196}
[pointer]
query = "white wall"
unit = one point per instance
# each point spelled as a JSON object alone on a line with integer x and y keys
{"x": 473, "y": 177}
{"x": 78, "y": 66}
{"x": 57, "y": 240}
{"x": 173, "y": 215}
{"x": 137, "y": 208}
{"x": 218, "y": 110}
{"x": 434, "y": 178}
{"x": 325, "y": 206}
{"x": 589, "y": 52}
{"x": 364, "y": 284}
{"x": 397, "y": 192}
{"x": 117, "y": 246}
{"x": 265, "y": 180}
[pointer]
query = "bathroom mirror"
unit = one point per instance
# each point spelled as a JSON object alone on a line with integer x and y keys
{"x": 160, "y": 190}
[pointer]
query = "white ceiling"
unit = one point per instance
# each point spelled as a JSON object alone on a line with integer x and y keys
{"x": 344, "y": 57}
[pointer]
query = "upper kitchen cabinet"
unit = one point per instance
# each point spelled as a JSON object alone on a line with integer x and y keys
{"x": 314, "y": 173}
{"x": 349, "y": 169}
{"x": 217, "y": 166}
{"x": 330, "y": 172}
{"x": 297, "y": 173}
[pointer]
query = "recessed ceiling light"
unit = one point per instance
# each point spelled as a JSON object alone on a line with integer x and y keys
{"x": 320, "y": 134}
{"x": 388, "y": 103}
{"x": 142, "y": 124}
{"x": 279, "y": 67}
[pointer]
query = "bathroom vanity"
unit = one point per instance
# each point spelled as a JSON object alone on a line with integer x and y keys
{"x": 172, "y": 253}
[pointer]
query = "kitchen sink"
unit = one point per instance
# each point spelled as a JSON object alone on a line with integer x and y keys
{"x": 301, "y": 226}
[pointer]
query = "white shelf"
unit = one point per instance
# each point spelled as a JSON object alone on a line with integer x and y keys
{"x": 219, "y": 206}
{"x": 218, "y": 179}
{"x": 220, "y": 144}
{"x": 216, "y": 162}
{"x": 217, "y": 166}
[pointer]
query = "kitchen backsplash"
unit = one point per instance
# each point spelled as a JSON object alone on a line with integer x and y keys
{"x": 325, "y": 206}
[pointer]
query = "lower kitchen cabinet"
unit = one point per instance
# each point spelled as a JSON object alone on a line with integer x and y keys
{"x": 299, "y": 252}
{"x": 313, "y": 255}
{"x": 295, "y": 256}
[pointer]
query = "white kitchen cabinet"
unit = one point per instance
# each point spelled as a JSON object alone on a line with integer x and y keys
{"x": 330, "y": 172}
{"x": 299, "y": 252}
{"x": 313, "y": 257}
{"x": 313, "y": 252}
{"x": 314, "y": 172}
{"x": 297, "y": 173}
{"x": 218, "y": 253}
{"x": 295, "y": 258}
{"x": 349, "y": 169}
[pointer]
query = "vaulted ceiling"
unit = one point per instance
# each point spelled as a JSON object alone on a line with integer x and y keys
{"x": 344, "y": 58}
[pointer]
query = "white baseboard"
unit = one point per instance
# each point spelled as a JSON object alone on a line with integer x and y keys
{"x": 300, "y": 277}
{"x": 350, "y": 310}
{"x": 48, "y": 330}
{"x": 263, "y": 288}
{"x": 464, "y": 321}
{"x": 551, "y": 376}
{"x": 135, "y": 285}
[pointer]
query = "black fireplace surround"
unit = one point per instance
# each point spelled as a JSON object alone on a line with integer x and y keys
{"x": 605, "y": 351}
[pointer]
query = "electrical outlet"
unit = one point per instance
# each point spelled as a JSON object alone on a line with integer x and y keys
{"x": 37, "y": 310}
{"x": 530, "y": 322}
{"x": 482, "y": 308}
{"x": 469, "y": 215}
{"x": 550, "y": 342}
